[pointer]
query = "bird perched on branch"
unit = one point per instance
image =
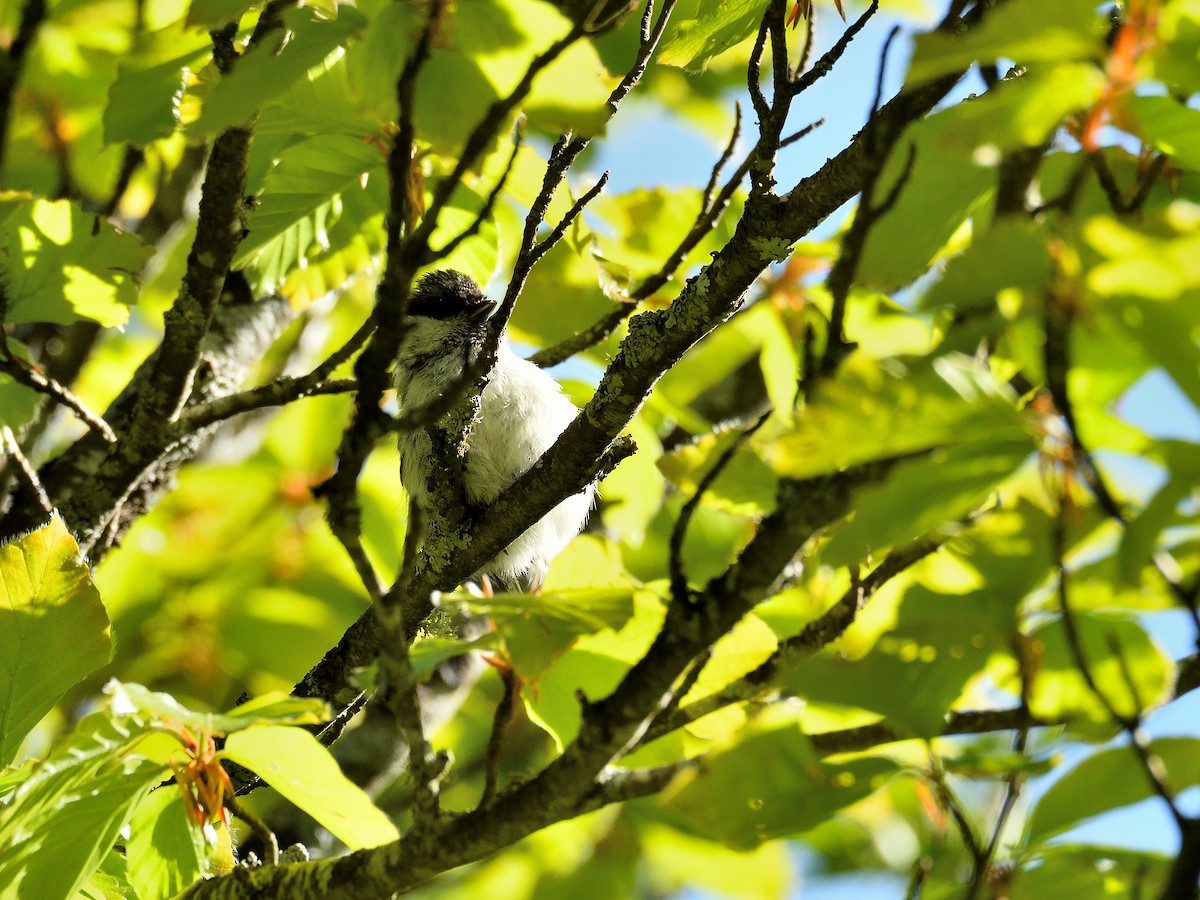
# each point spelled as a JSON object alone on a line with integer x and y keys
{"x": 522, "y": 412}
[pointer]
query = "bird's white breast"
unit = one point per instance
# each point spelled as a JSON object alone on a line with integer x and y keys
{"x": 523, "y": 411}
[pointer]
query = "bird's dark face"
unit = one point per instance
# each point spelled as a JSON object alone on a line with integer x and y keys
{"x": 447, "y": 326}
{"x": 446, "y": 295}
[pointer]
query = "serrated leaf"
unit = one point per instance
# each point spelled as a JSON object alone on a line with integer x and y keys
{"x": 66, "y": 815}
{"x": 945, "y": 187}
{"x": 1010, "y": 254}
{"x": 1073, "y": 798}
{"x": 267, "y": 71}
{"x": 53, "y": 629}
{"x": 59, "y": 264}
{"x": 134, "y": 699}
{"x": 293, "y": 762}
{"x": 143, "y": 102}
{"x": 280, "y": 708}
{"x": 594, "y": 665}
{"x": 537, "y": 628}
{"x": 305, "y": 185}
{"x": 1066, "y": 872}
{"x": 720, "y": 25}
{"x": 868, "y": 413}
{"x": 743, "y": 649}
{"x": 746, "y": 486}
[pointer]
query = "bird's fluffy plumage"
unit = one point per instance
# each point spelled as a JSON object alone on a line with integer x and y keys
{"x": 522, "y": 412}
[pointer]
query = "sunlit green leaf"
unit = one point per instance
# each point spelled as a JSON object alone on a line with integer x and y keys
{"x": 298, "y": 767}
{"x": 266, "y": 71}
{"x": 920, "y": 496}
{"x": 1074, "y": 798}
{"x": 943, "y": 188}
{"x": 1025, "y": 31}
{"x": 719, "y": 25}
{"x": 59, "y": 264}
{"x": 769, "y": 784}
{"x": 1171, "y": 127}
{"x": 143, "y": 103}
{"x": 53, "y": 628}
{"x": 66, "y": 814}
{"x": 1067, "y": 871}
{"x": 165, "y": 852}
{"x": 1125, "y": 664}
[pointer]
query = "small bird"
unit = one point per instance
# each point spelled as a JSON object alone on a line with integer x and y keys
{"x": 522, "y": 412}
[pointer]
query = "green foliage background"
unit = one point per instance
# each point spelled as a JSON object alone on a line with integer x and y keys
{"x": 1039, "y": 258}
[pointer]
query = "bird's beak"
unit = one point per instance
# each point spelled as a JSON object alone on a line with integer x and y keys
{"x": 480, "y": 311}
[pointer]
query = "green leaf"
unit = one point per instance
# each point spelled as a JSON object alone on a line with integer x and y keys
{"x": 1068, "y": 872}
{"x": 143, "y": 103}
{"x": 477, "y": 256}
{"x": 720, "y": 25}
{"x": 215, "y": 13}
{"x": 945, "y": 187}
{"x": 1142, "y": 532}
{"x": 267, "y": 71}
{"x": 293, "y": 762}
{"x": 1024, "y": 111}
{"x": 280, "y": 708}
{"x": 742, "y": 650}
{"x": 746, "y": 486}
{"x": 53, "y": 629}
{"x": 1166, "y": 337}
{"x": 769, "y": 784}
{"x": 1169, "y": 126}
{"x": 1025, "y": 31}
{"x": 1073, "y": 798}
{"x": 1142, "y": 263}
{"x": 165, "y": 853}
{"x": 869, "y": 412}
{"x": 302, "y": 196}
{"x": 272, "y": 708}
{"x": 923, "y": 495}
{"x": 17, "y": 402}
{"x": 1010, "y": 254}
{"x": 538, "y": 627}
{"x": 917, "y": 670}
{"x": 594, "y": 665}
{"x": 427, "y": 653}
{"x": 1059, "y": 689}
{"x": 59, "y": 265}
{"x": 66, "y": 815}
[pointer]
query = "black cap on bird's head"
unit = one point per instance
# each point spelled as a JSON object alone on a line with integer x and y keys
{"x": 445, "y": 294}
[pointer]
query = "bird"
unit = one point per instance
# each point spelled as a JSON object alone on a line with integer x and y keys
{"x": 522, "y": 412}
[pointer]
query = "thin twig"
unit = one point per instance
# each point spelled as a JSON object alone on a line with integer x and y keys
{"x": 13, "y": 449}
{"x": 817, "y": 634}
{"x": 678, "y": 576}
{"x": 489, "y": 204}
{"x": 710, "y": 189}
{"x": 258, "y": 826}
{"x": 282, "y": 390}
{"x": 825, "y": 64}
{"x": 25, "y": 373}
{"x": 500, "y": 721}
